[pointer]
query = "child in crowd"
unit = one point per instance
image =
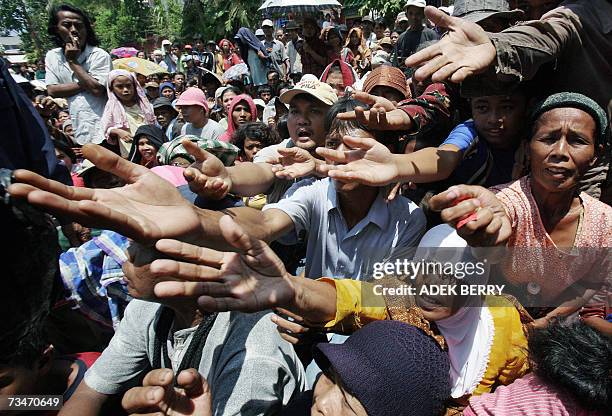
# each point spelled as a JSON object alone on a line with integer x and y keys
{"x": 250, "y": 138}
{"x": 127, "y": 109}
{"x": 194, "y": 108}
{"x": 265, "y": 93}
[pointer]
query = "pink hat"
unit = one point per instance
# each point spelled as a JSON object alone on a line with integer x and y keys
{"x": 193, "y": 96}
{"x": 173, "y": 174}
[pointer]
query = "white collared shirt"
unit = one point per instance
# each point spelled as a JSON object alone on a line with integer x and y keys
{"x": 85, "y": 108}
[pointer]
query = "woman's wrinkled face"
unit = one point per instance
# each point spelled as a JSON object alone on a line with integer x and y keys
{"x": 332, "y": 399}
{"x": 124, "y": 89}
{"x": 168, "y": 93}
{"x": 562, "y": 148}
{"x": 227, "y": 98}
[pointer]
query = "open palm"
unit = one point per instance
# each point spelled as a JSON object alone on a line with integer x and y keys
{"x": 466, "y": 50}
{"x": 146, "y": 209}
{"x": 252, "y": 280}
{"x": 370, "y": 163}
{"x": 208, "y": 176}
{"x": 294, "y": 163}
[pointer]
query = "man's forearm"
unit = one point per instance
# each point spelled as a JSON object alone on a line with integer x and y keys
{"x": 85, "y": 401}
{"x": 250, "y": 179}
{"x": 257, "y": 224}
{"x": 64, "y": 90}
{"x": 88, "y": 82}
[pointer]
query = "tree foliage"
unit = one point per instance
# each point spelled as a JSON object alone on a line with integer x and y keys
{"x": 217, "y": 18}
{"x": 386, "y": 8}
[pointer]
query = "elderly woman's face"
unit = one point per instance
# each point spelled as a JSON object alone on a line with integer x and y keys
{"x": 562, "y": 148}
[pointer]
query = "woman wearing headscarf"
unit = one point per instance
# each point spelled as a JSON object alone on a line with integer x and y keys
{"x": 253, "y": 52}
{"x": 339, "y": 75}
{"x": 356, "y": 44}
{"x": 127, "y": 109}
{"x": 242, "y": 110}
{"x": 335, "y": 45}
{"x": 226, "y": 58}
{"x": 147, "y": 141}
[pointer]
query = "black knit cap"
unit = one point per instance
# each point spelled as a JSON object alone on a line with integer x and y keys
{"x": 581, "y": 102}
{"x": 392, "y": 368}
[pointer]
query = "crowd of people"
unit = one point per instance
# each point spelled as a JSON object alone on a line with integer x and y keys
{"x": 224, "y": 235}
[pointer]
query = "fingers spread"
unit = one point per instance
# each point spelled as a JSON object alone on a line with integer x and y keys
{"x": 192, "y": 290}
{"x": 44, "y": 184}
{"x": 364, "y": 143}
{"x": 332, "y": 155}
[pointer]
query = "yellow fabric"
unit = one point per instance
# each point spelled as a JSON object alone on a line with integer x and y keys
{"x": 353, "y": 310}
{"x": 258, "y": 201}
{"x": 508, "y": 357}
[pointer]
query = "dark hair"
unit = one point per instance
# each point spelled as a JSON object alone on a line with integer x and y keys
{"x": 575, "y": 358}
{"x": 348, "y": 103}
{"x": 231, "y": 88}
{"x": 264, "y": 88}
{"x": 344, "y": 104}
{"x": 273, "y": 71}
{"x": 178, "y": 73}
{"x": 54, "y": 21}
{"x": 254, "y": 130}
{"x": 31, "y": 281}
{"x": 282, "y": 131}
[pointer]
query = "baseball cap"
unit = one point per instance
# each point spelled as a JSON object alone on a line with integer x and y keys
{"x": 315, "y": 88}
{"x": 166, "y": 42}
{"x": 219, "y": 92}
{"x": 162, "y": 102}
{"x": 193, "y": 96}
{"x": 416, "y": 3}
{"x": 259, "y": 102}
{"x": 152, "y": 84}
{"x": 401, "y": 17}
{"x": 157, "y": 52}
{"x": 367, "y": 19}
{"x": 267, "y": 23}
{"x": 478, "y": 10}
{"x": 259, "y": 32}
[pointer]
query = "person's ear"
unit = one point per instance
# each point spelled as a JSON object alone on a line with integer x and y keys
{"x": 599, "y": 148}
{"x": 46, "y": 360}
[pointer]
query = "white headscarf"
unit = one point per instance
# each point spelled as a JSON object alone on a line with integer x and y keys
{"x": 469, "y": 332}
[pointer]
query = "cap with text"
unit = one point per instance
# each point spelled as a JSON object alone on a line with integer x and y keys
{"x": 313, "y": 87}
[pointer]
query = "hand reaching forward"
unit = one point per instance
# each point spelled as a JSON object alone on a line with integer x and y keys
{"x": 466, "y": 50}
{"x": 146, "y": 209}
{"x": 208, "y": 176}
{"x": 383, "y": 114}
{"x": 294, "y": 163}
{"x": 369, "y": 163}
{"x": 157, "y": 395}
{"x": 487, "y": 223}
{"x": 252, "y": 280}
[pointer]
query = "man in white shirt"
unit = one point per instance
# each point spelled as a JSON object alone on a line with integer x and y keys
{"x": 77, "y": 71}
{"x": 295, "y": 60}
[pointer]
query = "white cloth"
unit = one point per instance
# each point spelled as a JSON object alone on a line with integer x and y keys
{"x": 469, "y": 332}
{"x": 295, "y": 59}
{"x": 85, "y": 108}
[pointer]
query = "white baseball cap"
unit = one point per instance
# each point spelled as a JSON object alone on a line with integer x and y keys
{"x": 416, "y": 3}
{"x": 259, "y": 32}
{"x": 401, "y": 17}
{"x": 268, "y": 23}
{"x": 166, "y": 42}
{"x": 318, "y": 89}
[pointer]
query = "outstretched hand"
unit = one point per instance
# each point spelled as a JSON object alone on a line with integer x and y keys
{"x": 208, "y": 177}
{"x": 383, "y": 114}
{"x": 254, "y": 279}
{"x": 466, "y": 50}
{"x": 369, "y": 162}
{"x": 294, "y": 163}
{"x": 146, "y": 209}
{"x": 157, "y": 395}
{"x": 476, "y": 213}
